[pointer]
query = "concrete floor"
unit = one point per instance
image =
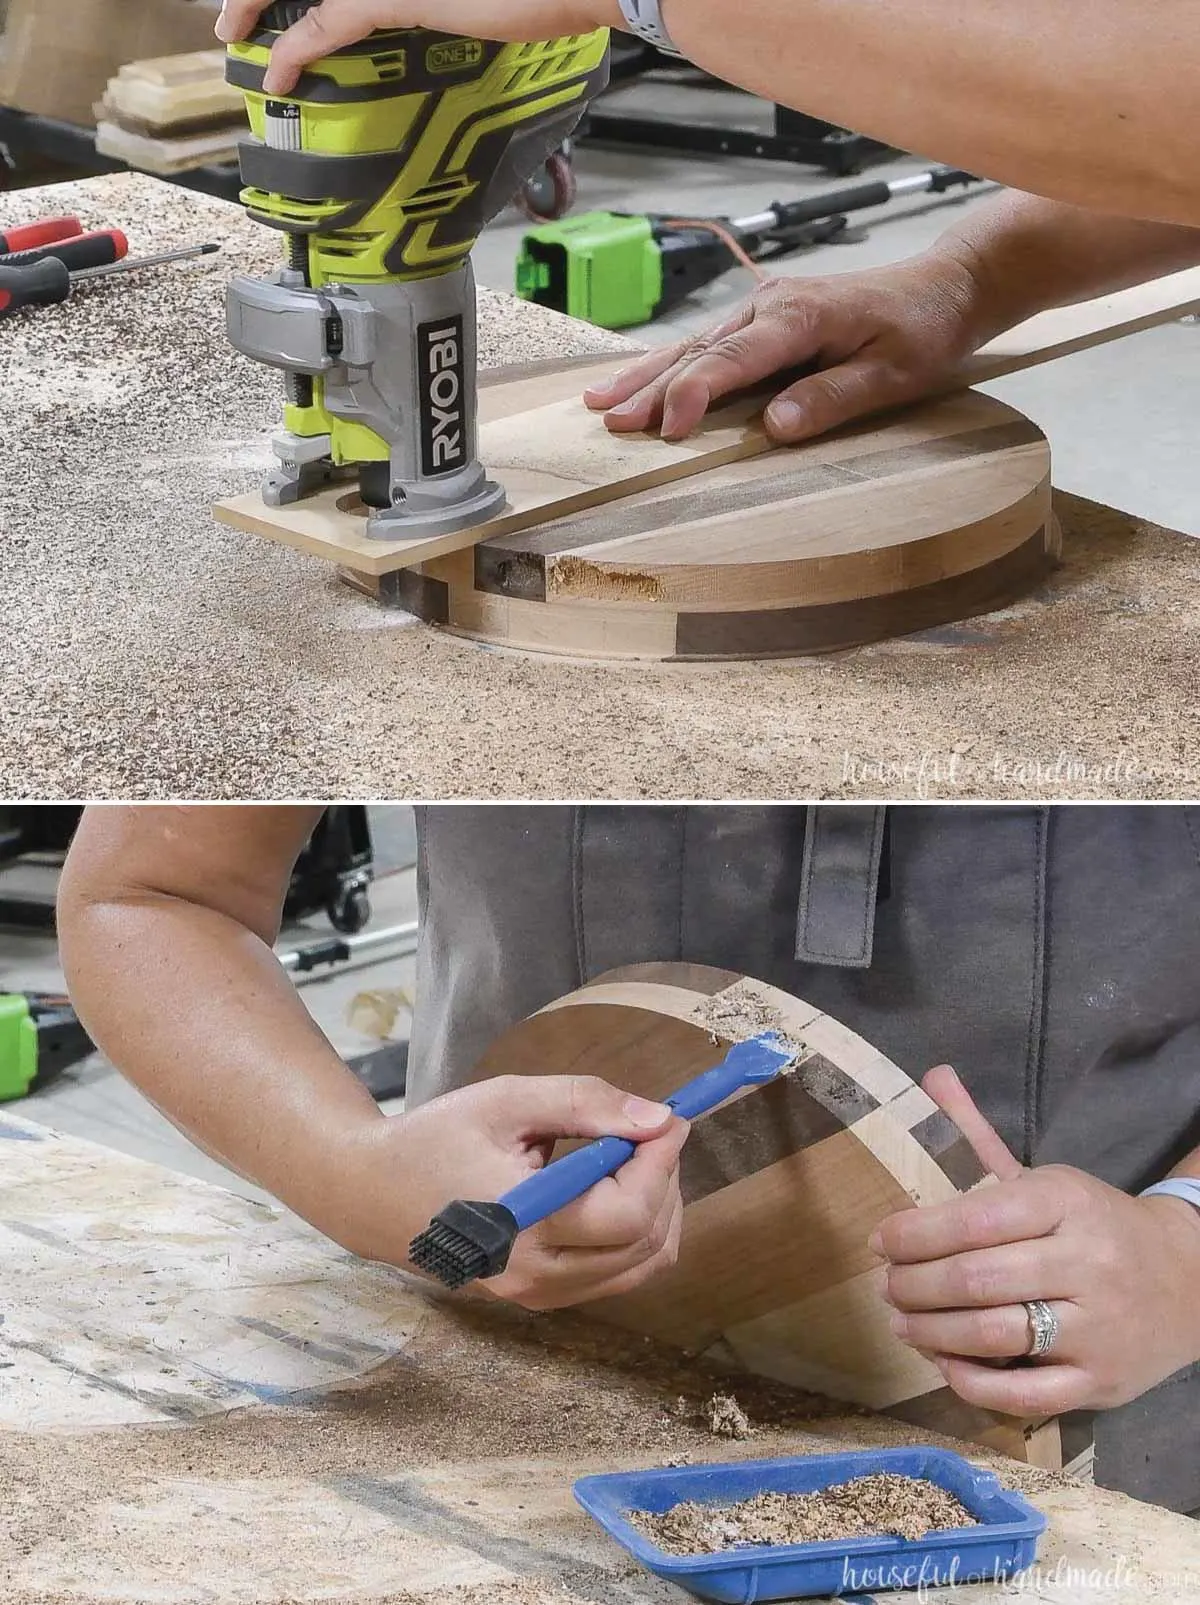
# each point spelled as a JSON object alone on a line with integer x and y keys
{"x": 1121, "y": 419}
{"x": 93, "y": 1100}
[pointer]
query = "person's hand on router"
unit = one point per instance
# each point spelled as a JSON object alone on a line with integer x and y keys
{"x": 336, "y": 23}
{"x": 1019, "y": 92}
{"x": 888, "y": 336}
{"x": 1121, "y": 1273}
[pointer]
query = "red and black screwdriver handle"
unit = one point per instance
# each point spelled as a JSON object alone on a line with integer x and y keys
{"x": 48, "y": 231}
{"x": 42, "y": 276}
{"x": 100, "y": 249}
{"x": 44, "y": 284}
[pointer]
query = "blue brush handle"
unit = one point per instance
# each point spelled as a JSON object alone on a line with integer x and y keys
{"x": 566, "y": 1179}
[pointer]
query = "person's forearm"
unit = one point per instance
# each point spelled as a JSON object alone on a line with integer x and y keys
{"x": 1189, "y": 1165}
{"x": 196, "y": 1011}
{"x": 1187, "y": 1219}
{"x": 1027, "y": 254}
{"x": 1092, "y": 105}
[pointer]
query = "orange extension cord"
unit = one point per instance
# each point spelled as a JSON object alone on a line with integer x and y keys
{"x": 722, "y": 233}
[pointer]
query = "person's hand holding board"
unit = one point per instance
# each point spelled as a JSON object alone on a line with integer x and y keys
{"x": 1119, "y": 1275}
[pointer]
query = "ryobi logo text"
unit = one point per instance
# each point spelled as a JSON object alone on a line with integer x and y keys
{"x": 442, "y": 379}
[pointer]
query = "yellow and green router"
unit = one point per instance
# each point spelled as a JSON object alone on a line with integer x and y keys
{"x": 381, "y": 168}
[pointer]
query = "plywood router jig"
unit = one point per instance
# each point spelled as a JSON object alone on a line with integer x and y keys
{"x": 724, "y": 546}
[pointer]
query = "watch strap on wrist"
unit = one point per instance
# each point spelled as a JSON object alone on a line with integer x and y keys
{"x": 645, "y": 19}
{"x": 1185, "y": 1187}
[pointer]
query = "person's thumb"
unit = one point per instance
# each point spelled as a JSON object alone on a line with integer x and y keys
{"x": 539, "y": 1107}
{"x": 952, "y": 1098}
{"x": 823, "y": 401}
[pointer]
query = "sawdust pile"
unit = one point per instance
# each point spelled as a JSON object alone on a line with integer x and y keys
{"x": 866, "y": 1507}
{"x": 726, "y": 1418}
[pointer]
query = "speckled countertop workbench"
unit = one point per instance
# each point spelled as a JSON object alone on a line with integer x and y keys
{"x": 147, "y": 652}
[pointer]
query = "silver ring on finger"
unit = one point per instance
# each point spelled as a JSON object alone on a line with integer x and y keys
{"x": 1044, "y": 1327}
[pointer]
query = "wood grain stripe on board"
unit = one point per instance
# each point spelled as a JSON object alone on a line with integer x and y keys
{"x": 941, "y": 1410}
{"x": 852, "y": 542}
{"x": 942, "y": 1141}
{"x": 838, "y": 1340}
{"x": 861, "y": 539}
{"x": 583, "y": 630}
{"x": 766, "y": 1125}
{"x": 794, "y": 632}
{"x": 515, "y": 565}
{"x": 731, "y": 1270}
{"x": 699, "y": 979}
{"x": 639, "y": 1050}
{"x": 626, "y": 989}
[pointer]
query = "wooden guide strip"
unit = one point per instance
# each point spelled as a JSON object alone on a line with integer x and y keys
{"x": 1062, "y": 331}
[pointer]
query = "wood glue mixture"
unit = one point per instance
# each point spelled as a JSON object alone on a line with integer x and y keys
{"x": 865, "y": 1507}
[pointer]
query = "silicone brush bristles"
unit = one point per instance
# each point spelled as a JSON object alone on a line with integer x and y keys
{"x": 466, "y": 1242}
{"x": 447, "y": 1255}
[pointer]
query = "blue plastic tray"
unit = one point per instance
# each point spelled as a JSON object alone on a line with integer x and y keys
{"x": 1003, "y": 1544}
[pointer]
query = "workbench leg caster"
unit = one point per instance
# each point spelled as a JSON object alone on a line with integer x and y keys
{"x": 552, "y": 191}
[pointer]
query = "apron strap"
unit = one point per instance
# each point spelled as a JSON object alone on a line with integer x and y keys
{"x": 839, "y": 885}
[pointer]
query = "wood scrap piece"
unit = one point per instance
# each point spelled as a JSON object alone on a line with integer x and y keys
{"x": 167, "y": 91}
{"x": 782, "y": 1188}
{"x": 158, "y": 154}
{"x": 553, "y": 460}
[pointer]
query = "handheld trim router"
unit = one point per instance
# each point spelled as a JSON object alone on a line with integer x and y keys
{"x": 381, "y": 168}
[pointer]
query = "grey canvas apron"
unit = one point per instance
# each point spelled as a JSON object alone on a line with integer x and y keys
{"x": 1051, "y": 955}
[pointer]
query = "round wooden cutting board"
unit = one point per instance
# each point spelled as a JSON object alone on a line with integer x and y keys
{"x": 782, "y": 1187}
{"x": 938, "y": 514}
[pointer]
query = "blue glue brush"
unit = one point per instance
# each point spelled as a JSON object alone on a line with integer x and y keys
{"x": 469, "y": 1241}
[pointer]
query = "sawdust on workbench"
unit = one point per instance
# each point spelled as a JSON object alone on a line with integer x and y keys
{"x": 726, "y": 1418}
{"x": 481, "y": 1381}
{"x": 864, "y": 1507}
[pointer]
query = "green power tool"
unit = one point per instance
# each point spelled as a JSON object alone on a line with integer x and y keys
{"x": 381, "y": 168}
{"x": 39, "y": 1036}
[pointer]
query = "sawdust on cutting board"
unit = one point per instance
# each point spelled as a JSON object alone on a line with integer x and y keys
{"x": 864, "y": 1507}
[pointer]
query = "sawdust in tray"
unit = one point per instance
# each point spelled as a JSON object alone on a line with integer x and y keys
{"x": 865, "y": 1507}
